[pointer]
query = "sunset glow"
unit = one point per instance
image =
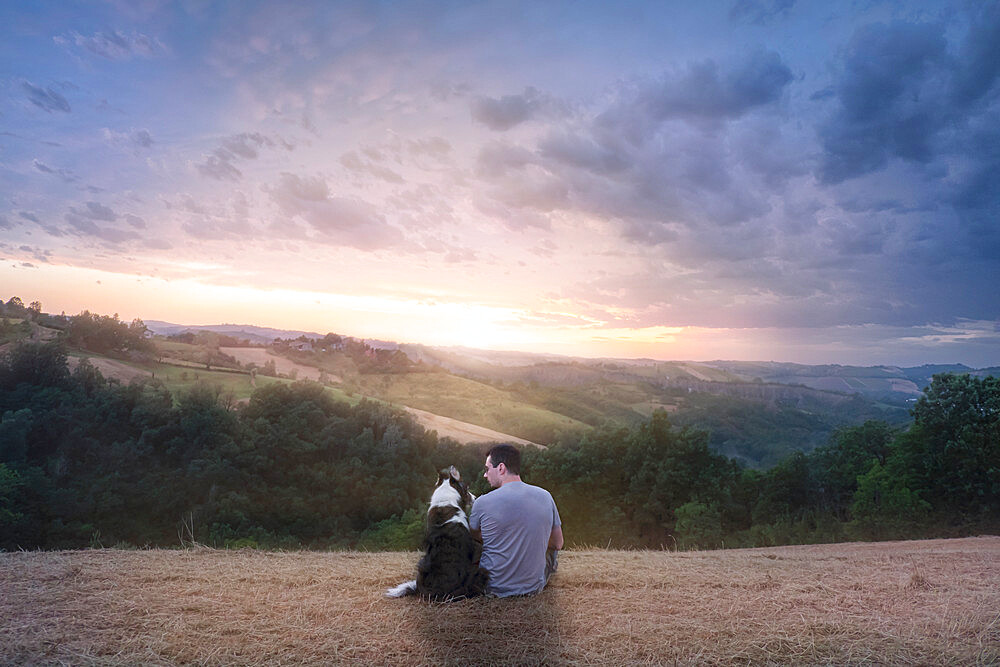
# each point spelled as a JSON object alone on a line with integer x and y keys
{"x": 750, "y": 179}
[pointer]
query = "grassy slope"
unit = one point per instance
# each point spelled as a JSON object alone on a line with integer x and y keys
{"x": 469, "y": 401}
{"x": 538, "y": 402}
{"x": 929, "y": 602}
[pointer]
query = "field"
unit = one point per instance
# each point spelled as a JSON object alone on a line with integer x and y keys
{"x": 468, "y": 401}
{"x": 930, "y": 602}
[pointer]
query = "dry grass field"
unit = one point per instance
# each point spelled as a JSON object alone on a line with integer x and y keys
{"x": 934, "y": 602}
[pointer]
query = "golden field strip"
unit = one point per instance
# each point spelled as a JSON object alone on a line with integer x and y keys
{"x": 931, "y": 602}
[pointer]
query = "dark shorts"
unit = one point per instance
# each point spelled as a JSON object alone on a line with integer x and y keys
{"x": 551, "y": 563}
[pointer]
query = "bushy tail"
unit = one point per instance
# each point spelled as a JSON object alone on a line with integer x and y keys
{"x": 404, "y": 589}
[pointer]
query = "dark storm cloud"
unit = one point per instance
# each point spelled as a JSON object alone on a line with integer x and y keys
{"x": 45, "y": 98}
{"x": 642, "y": 166}
{"x": 700, "y": 92}
{"x": 891, "y": 100}
{"x": 706, "y": 92}
{"x": 505, "y": 112}
{"x": 646, "y": 162}
{"x": 911, "y": 148}
{"x": 979, "y": 56}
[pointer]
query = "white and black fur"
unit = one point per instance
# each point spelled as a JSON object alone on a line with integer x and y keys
{"x": 449, "y": 568}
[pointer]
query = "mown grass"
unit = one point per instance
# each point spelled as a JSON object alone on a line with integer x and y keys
{"x": 934, "y": 602}
{"x": 469, "y": 401}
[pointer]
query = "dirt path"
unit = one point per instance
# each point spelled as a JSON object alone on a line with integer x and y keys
{"x": 110, "y": 368}
{"x": 464, "y": 432}
{"x": 262, "y": 355}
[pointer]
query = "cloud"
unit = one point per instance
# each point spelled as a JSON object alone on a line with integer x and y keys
{"x": 352, "y": 161}
{"x": 292, "y": 189}
{"x": 219, "y": 169}
{"x": 335, "y": 219}
{"x": 980, "y": 65}
{"x": 135, "y": 221}
{"x": 135, "y": 139}
{"x": 505, "y": 112}
{"x": 95, "y": 211}
{"x": 437, "y": 147}
{"x": 29, "y": 216}
{"x": 891, "y": 102}
{"x": 84, "y": 225}
{"x": 45, "y": 98}
{"x": 38, "y": 254}
{"x": 705, "y": 91}
{"x": 114, "y": 44}
{"x": 760, "y": 12}
{"x": 5, "y": 223}
{"x": 64, "y": 174}
{"x": 244, "y": 146}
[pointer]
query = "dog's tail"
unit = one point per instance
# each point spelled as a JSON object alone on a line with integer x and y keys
{"x": 404, "y": 589}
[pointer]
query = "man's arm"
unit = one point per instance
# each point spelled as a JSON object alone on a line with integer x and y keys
{"x": 556, "y": 538}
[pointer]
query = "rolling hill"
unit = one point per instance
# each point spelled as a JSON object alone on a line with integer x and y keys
{"x": 756, "y": 412}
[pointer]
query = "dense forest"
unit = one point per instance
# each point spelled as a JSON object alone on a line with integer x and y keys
{"x": 86, "y": 461}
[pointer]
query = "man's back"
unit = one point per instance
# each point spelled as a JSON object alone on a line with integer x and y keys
{"x": 516, "y": 521}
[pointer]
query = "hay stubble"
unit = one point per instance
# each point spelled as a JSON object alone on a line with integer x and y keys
{"x": 929, "y": 602}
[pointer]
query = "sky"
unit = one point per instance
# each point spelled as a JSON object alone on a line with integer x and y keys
{"x": 779, "y": 180}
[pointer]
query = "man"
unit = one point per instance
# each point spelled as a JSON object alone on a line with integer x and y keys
{"x": 518, "y": 525}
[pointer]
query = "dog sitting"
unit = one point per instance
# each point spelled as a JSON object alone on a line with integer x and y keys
{"x": 449, "y": 568}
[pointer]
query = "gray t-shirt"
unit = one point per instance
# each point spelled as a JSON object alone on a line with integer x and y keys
{"x": 516, "y": 521}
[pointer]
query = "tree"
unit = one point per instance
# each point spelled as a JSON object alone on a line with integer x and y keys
{"x": 698, "y": 525}
{"x": 850, "y": 454}
{"x": 15, "y": 307}
{"x": 885, "y": 507}
{"x": 953, "y": 450}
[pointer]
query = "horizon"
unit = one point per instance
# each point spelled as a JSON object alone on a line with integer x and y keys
{"x": 742, "y": 180}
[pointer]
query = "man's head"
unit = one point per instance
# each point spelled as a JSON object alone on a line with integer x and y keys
{"x": 503, "y": 464}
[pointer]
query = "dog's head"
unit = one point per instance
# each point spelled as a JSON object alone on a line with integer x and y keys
{"x": 451, "y": 491}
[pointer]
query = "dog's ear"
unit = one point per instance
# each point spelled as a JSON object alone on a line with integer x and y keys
{"x": 455, "y": 475}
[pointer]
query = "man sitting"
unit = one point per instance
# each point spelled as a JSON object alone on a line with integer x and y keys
{"x": 519, "y": 526}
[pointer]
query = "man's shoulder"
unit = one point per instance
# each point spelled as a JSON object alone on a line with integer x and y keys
{"x": 511, "y": 490}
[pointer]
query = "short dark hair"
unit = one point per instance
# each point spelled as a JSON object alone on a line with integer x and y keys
{"x": 507, "y": 454}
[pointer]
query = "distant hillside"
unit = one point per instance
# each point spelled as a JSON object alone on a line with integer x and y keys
{"x": 254, "y": 334}
{"x": 890, "y": 383}
{"x": 756, "y": 412}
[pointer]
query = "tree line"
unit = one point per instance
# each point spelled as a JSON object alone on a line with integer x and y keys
{"x": 87, "y": 461}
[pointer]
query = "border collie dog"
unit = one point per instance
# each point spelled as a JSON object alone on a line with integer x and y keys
{"x": 449, "y": 568}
